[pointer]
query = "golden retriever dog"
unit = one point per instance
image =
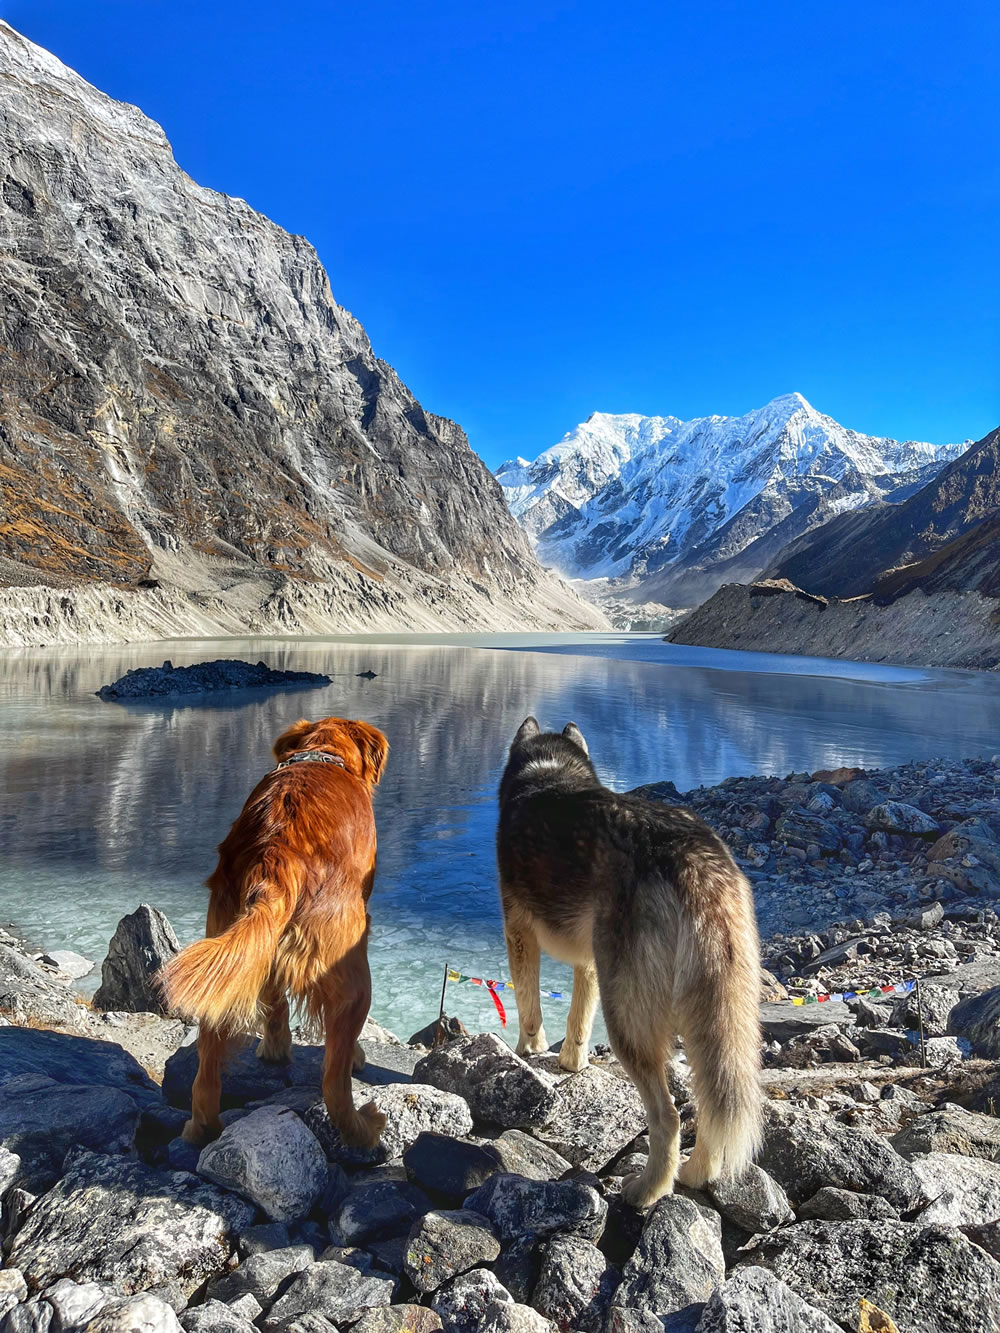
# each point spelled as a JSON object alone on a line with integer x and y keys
{"x": 288, "y": 917}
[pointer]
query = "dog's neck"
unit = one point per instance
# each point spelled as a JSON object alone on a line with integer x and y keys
{"x": 312, "y": 756}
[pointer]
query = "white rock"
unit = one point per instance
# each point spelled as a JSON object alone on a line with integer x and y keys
{"x": 270, "y": 1158}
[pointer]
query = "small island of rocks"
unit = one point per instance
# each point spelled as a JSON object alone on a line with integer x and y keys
{"x": 205, "y": 677}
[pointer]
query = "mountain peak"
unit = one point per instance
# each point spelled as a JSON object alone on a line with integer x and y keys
{"x": 792, "y": 402}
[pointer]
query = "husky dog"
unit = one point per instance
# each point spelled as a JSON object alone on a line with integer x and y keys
{"x": 648, "y": 905}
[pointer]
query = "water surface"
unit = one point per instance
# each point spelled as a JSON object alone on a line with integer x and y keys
{"x": 108, "y": 805}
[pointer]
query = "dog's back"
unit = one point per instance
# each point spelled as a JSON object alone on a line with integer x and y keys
{"x": 651, "y": 894}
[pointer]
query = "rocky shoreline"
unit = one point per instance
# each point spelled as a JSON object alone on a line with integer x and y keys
{"x": 493, "y": 1202}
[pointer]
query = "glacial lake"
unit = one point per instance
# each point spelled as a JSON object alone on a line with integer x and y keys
{"x": 108, "y": 805}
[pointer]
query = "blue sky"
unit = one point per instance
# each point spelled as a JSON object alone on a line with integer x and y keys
{"x": 542, "y": 210}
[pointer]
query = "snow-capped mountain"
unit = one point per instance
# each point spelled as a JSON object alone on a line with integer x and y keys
{"x": 679, "y": 507}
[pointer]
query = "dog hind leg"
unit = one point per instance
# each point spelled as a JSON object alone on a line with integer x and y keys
{"x": 524, "y": 957}
{"x": 344, "y": 1018}
{"x": 276, "y": 1044}
{"x": 575, "y": 1052}
{"x": 206, "y": 1092}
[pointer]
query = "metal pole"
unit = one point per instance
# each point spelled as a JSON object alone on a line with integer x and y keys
{"x": 439, "y": 1034}
{"x": 920, "y": 1016}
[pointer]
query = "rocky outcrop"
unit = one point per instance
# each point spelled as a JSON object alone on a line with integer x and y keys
{"x": 195, "y": 436}
{"x": 205, "y": 677}
{"x": 143, "y": 943}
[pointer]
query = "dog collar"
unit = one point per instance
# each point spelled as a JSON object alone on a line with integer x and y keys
{"x": 312, "y": 756}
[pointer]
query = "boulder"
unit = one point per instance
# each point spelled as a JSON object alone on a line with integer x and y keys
{"x": 438, "y": 1032}
{"x": 450, "y": 1168}
{"x": 10, "y": 1164}
{"x": 678, "y": 1261}
{"x": 29, "y": 994}
{"x": 964, "y": 1191}
{"x": 518, "y": 1267}
{"x": 898, "y": 817}
{"x": 263, "y": 1237}
{"x": 414, "y": 1108}
{"x": 977, "y": 1018}
{"x": 144, "y": 1313}
{"x": 398, "y": 1319}
{"x": 214, "y": 1317}
{"x": 594, "y": 1116}
{"x": 40, "y": 1120}
{"x": 66, "y": 962}
{"x": 318, "y": 1122}
{"x": 934, "y": 1004}
{"x": 836, "y": 1205}
{"x": 950, "y": 1130}
{"x": 143, "y": 942}
{"x": 77, "y": 1060}
{"x": 330, "y": 1289}
{"x": 270, "y": 1158}
{"x": 755, "y": 1301}
{"x": 801, "y": 828}
{"x": 74, "y": 1304}
{"x": 377, "y": 1210}
{"x": 575, "y": 1285}
{"x": 441, "y": 1245}
{"x": 752, "y": 1201}
{"x": 111, "y": 1220}
{"x": 512, "y": 1317}
{"x": 462, "y": 1303}
{"x": 927, "y": 1279}
{"x": 522, "y": 1155}
{"x": 519, "y": 1207}
{"x": 806, "y": 1150}
{"x": 13, "y": 1289}
{"x": 261, "y": 1275}
{"x": 500, "y": 1088}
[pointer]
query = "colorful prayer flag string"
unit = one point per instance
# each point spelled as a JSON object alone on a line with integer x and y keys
{"x": 875, "y": 993}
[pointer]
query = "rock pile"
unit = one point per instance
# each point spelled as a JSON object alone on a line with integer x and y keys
{"x": 224, "y": 674}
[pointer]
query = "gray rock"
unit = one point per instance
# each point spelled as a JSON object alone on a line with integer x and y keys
{"x": 511, "y": 1317}
{"x": 898, "y": 817}
{"x": 950, "y": 1130}
{"x": 923, "y": 917}
{"x": 109, "y": 1220}
{"x": 575, "y": 1285}
{"x": 143, "y": 942}
{"x": 451, "y": 1167}
{"x": 596, "y": 1114}
{"x": 31, "y": 1317}
{"x": 10, "y": 1164}
{"x": 755, "y": 1301}
{"x": 964, "y": 1191}
{"x": 443, "y": 1244}
{"x": 414, "y": 1108}
{"x": 214, "y": 1317}
{"x": 70, "y": 964}
{"x": 936, "y": 1003}
{"x": 16, "y": 1209}
{"x": 977, "y": 1018}
{"x": 462, "y": 1303}
{"x": 927, "y": 1279}
{"x": 263, "y": 1237}
{"x": 500, "y": 1088}
{"x": 398, "y": 1319}
{"x": 247, "y": 1306}
{"x": 521, "y": 1154}
{"x": 860, "y": 796}
{"x": 28, "y": 993}
{"x": 678, "y": 1261}
{"x": 782, "y": 1022}
{"x": 261, "y": 1275}
{"x": 519, "y": 1207}
{"x": 752, "y": 1201}
{"x": 41, "y": 1120}
{"x": 801, "y": 828}
{"x": 272, "y": 1159}
{"x": 13, "y": 1289}
{"x": 377, "y": 1210}
{"x": 144, "y": 1313}
{"x": 835, "y": 1205}
{"x": 806, "y": 1150}
{"x": 317, "y": 1120}
{"x": 74, "y": 1303}
{"x": 329, "y": 1289}
{"x": 75, "y": 1060}
{"x": 623, "y": 1320}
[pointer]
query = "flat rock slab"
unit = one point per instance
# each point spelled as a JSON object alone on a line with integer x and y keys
{"x": 519, "y": 1207}
{"x": 110, "y": 1220}
{"x": 805, "y": 1150}
{"x": 678, "y": 1261}
{"x": 143, "y": 942}
{"x": 782, "y": 1022}
{"x": 753, "y": 1201}
{"x": 40, "y": 1120}
{"x": 224, "y": 674}
{"x": 964, "y": 1191}
{"x": 329, "y": 1289}
{"x": 927, "y": 1279}
{"x": 247, "y": 1079}
{"x": 596, "y": 1114}
{"x": 950, "y": 1130}
{"x": 78, "y": 1060}
{"x": 377, "y": 1210}
{"x": 500, "y": 1087}
{"x": 270, "y": 1158}
{"x": 261, "y": 1275}
{"x": 755, "y": 1301}
{"x": 441, "y": 1245}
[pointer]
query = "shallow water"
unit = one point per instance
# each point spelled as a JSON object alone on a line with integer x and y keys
{"x": 107, "y": 805}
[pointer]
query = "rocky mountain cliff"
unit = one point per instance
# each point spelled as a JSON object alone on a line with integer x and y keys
{"x": 851, "y": 554}
{"x": 675, "y": 508}
{"x": 194, "y": 435}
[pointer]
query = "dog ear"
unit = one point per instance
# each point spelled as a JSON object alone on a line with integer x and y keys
{"x": 573, "y": 733}
{"x": 528, "y": 728}
{"x": 373, "y": 749}
{"x": 289, "y": 740}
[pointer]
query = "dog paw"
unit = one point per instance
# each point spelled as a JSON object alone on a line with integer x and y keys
{"x": 638, "y": 1192}
{"x": 358, "y": 1062}
{"x": 573, "y": 1058}
{"x": 197, "y": 1134}
{"x": 369, "y": 1123}
{"x": 691, "y": 1174}
{"x": 274, "y": 1055}
{"x": 536, "y": 1045}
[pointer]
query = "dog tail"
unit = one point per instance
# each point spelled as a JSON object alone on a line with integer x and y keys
{"x": 721, "y": 1030}
{"x": 218, "y": 980}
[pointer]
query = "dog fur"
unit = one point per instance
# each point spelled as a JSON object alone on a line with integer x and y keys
{"x": 657, "y": 920}
{"x": 288, "y": 916}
